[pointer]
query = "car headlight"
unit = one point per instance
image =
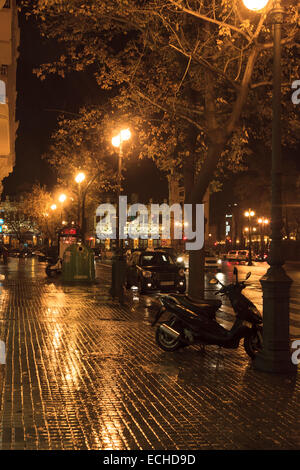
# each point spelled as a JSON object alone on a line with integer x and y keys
{"x": 147, "y": 274}
{"x": 219, "y": 261}
{"x": 181, "y": 272}
{"x": 179, "y": 259}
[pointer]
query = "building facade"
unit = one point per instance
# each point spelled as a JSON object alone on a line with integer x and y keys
{"x": 9, "y": 44}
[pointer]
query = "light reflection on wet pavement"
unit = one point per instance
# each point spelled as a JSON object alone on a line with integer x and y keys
{"x": 84, "y": 373}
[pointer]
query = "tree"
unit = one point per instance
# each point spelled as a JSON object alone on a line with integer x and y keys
{"x": 36, "y": 207}
{"x": 195, "y": 64}
{"x": 19, "y": 224}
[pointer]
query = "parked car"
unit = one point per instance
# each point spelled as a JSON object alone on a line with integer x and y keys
{"x": 232, "y": 255}
{"x": 154, "y": 270}
{"x": 183, "y": 260}
{"x": 243, "y": 255}
{"x": 211, "y": 260}
{"x": 14, "y": 253}
{"x": 261, "y": 257}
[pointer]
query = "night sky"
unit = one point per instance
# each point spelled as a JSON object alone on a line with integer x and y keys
{"x": 36, "y": 103}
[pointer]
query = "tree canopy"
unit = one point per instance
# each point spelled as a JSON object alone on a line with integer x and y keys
{"x": 195, "y": 73}
{"x": 185, "y": 69}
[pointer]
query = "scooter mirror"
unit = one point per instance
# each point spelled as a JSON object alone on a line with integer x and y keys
{"x": 248, "y": 275}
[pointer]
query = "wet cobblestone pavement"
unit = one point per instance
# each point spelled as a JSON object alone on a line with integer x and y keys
{"x": 84, "y": 373}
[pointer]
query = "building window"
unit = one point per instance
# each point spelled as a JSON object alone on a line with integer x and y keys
{"x": 7, "y": 4}
{"x": 3, "y": 70}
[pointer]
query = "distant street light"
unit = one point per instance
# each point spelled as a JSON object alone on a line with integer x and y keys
{"x": 262, "y": 223}
{"x": 53, "y": 207}
{"x": 117, "y": 142}
{"x": 276, "y": 284}
{"x": 62, "y": 199}
{"x": 82, "y": 192}
{"x": 250, "y": 214}
{"x": 119, "y": 263}
{"x": 80, "y": 178}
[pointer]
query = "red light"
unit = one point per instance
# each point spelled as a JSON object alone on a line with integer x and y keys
{"x": 70, "y": 231}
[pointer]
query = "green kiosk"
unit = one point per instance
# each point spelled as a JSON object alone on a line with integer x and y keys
{"x": 78, "y": 264}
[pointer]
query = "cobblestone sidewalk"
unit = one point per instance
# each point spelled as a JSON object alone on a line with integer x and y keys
{"x": 83, "y": 373}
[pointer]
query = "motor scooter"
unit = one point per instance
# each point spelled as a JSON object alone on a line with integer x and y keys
{"x": 197, "y": 324}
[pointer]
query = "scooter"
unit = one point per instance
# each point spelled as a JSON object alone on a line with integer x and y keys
{"x": 54, "y": 268}
{"x": 197, "y": 324}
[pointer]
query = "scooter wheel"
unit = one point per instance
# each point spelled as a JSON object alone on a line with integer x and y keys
{"x": 253, "y": 343}
{"x": 50, "y": 272}
{"x": 166, "y": 342}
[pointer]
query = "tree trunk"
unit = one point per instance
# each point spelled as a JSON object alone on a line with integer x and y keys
{"x": 197, "y": 257}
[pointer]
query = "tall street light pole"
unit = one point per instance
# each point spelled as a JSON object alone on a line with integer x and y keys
{"x": 80, "y": 177}
{"x": 276, "y": 354}
{"x": 82, "y": 193}
{"x": 62, "y": 199}
{"x": 119, "y": 263}
{"x": 262, "y": 223}
{"x": 249, "y": 214}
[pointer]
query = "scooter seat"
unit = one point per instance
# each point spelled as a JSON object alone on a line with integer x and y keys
{"x": 205, "y": 307}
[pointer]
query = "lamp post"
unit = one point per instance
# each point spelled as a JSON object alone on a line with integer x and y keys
{"x": 249, "y": 214}
{"x": 62, "y": 199}
{"x": 276, "y": 355}
{"x": 119, "y": 263}
{"x": 80, "y": 177}
{"x": 262, "y": 223}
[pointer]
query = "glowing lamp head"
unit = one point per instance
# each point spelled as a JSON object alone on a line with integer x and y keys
{"x": 80, "y": 178}
{"x": 266, "y": 221}
{"x": 255, "y": 5}
{"x": 116, "y": 141}
{"x": 247, "y": 214}
{"x": 62, "y": 198}
{"x": 252, "y": 214}
{"x": 260, "y": 221}
{"x": 125, "y": 135}
{"x": 53, "y": 207}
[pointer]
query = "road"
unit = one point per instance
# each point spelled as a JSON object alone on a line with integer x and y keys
{"x": 253, "y": 290}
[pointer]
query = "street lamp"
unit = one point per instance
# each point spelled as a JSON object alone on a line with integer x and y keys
{"x": 62, "y": 199}
{"x": 79, "y": 178}
{"x": 117, "y": 142}
{"x": 249, "y": 214}
{"x": 276, "y": 353}
{"x": 262, "y": 223}
{"x": 119, "y": 263}
{"x": 255, "y": 5}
